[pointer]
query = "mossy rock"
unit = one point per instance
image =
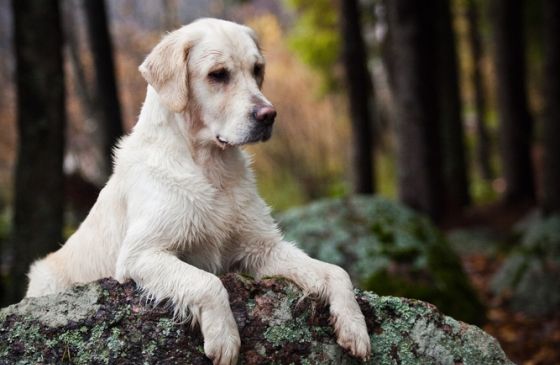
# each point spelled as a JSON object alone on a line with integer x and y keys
{"x": 386, "y": 248}
{"x": 530, "y": 276}
{"x": 105, "y": 322}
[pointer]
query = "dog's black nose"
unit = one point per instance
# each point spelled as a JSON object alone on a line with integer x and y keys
{"x": 264, "y": 114}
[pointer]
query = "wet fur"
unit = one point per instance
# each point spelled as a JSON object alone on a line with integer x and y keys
{"x": 181, "y": 207}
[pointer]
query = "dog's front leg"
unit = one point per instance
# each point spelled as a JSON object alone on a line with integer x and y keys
{"x": 193, "y": 292}
{"x": 329, "y": 282}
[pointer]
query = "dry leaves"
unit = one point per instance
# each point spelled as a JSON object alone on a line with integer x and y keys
{"x": 526, "y": 340}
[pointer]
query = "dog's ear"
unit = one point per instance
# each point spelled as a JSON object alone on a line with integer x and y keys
{"x": 254, "y": 37}
{"x": 165, "y": 69}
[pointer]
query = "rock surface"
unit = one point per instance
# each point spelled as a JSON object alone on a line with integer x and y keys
{"x": 529, "y": 280}
{"x": 108, "y": 323}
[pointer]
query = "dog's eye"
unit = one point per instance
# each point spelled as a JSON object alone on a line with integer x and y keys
{"x": 258, "y": 70}
{"x": 220, "y": 75}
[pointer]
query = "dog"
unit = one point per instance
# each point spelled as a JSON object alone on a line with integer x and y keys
{"x": 182, "y": 204}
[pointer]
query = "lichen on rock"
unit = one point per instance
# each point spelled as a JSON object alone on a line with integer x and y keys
{"x": 530, "y": 277}
{"x": 386, "y": 248}
{"x": 277, "y": 324}
{"x": 70, "y": 308}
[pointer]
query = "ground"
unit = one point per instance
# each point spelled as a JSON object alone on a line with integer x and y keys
{"x": 526, "y": 339}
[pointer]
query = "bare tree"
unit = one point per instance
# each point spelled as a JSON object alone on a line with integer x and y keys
{"x": 550, "y": 200}
{"x": 483, "y": 145}
{"x": 360, "y": 96}
{"x": 38, "y": 218}
{"x": 170, "y": 14}
{"x": 414, "y": 50}
{"x": 516, "y": 124}
{"x": 106, "y": 94}
{"x": 454, "y": 164}
{"x": 72, "y": 39}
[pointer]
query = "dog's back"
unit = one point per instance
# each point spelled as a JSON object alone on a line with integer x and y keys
{"x": 89, "y": 254}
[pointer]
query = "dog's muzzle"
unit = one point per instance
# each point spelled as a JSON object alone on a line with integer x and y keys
{"x": 264, "y": 115}
{"x": 263, "y": 118}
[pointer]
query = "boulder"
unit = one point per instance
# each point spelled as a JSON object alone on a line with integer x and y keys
{"x": 529, "y": 279}
{"x": 386, "y": 248}
{"x": 105, "y": 322}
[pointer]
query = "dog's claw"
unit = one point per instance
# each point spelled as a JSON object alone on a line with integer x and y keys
{"x": 223, "y": 350}
{"x": 352, "y": 335}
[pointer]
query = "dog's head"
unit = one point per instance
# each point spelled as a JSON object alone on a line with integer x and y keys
{"x": 213, "y": 70}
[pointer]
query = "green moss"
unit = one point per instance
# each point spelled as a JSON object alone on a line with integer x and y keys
{"x": 27, "y": 333}
{"x": 387, "y": 248}
{"x": 72, "y": 339}
{"x": 412, "y": 333}
{"x": 322, "y": 331}
{"x": 166, "y": 326}
{"x": 75, "y": 345}
{"x": 97, "y": 332}
{"x": 150, "y": 348}
{"x": 278, "y": 335}
{"x": 529, "y": 277}
{"x": 114, "y": 342}
{"x": 291, "y": 291}
{"x": 404, "y": 331}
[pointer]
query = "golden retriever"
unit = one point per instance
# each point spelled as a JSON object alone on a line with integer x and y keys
{"x": 182, "y": 204}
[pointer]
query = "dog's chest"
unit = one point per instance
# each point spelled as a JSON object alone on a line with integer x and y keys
{"x": 209, "y": 222}
{"x": 204, "y": 207}
{"x": 206, "y": 215}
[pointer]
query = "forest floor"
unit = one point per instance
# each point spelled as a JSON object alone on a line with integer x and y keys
{"x": 526, "y": 340}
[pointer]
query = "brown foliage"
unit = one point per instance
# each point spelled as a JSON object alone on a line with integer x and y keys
{"x": 311, "y": 137}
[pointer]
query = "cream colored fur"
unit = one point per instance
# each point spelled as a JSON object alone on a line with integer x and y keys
{"x": 182, "y": 205}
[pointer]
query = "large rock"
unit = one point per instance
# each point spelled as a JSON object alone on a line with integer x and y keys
{"x": 386, "y": 248}
{"x": 108, "y": 323}
{"x": 530, "y": 277}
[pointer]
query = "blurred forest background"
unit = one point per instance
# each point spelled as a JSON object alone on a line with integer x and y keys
{"x": 448, "y": 107}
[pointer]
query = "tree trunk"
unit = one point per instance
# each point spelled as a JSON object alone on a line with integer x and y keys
{"x": 451, "y": 124}
{"x": 106, "y": 86}
{"x": 414, "y": 38}
{"x": 83, "y": 89}
{"x": 360, "y": 96}
{"x": 516, "y": 125}
{"x": 550, "y": 200}
{"x": 170, "y": 15}
{"x": 483, "y": 146}
{"x": 38, "y": 218}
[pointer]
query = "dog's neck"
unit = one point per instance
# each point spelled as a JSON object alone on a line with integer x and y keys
{"x": 181, "y": 136}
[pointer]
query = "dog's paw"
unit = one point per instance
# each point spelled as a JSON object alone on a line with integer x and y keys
{"x": 224, "y": 349}
{"x": 352, "y": 335}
